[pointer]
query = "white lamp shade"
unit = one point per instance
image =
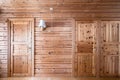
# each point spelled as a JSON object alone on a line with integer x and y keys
{"x": 42, "y": 24}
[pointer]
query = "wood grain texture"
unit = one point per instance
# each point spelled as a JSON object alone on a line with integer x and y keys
{"x": 85, "y": 9}
{"x": 58, "y": 39}
{"x": 3, "y": 49}
{"x": 85, "y": 48}
{"x": 21, "y": 46}
{"x": 110, "y": 48}
{"x": 58, "y": 78}
{"x": 53, "y": 54}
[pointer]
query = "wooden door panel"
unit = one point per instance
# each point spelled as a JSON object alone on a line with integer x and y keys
{"x": 21, "y": 46}
{"x": 85, "y": 31}
{"x": 85, "y": 48}
{"x": 20, "y": 64}
{"x": 110, "y": 65}
{"x": 20, "y": 49}
{"x": 20, "y": 32}
{"x": 86, "y": 65}
{"x": 110, "y": 48}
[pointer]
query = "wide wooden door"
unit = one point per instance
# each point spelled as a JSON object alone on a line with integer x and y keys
{"x": 85, "y": 48}
{"x": 21, "y": 47}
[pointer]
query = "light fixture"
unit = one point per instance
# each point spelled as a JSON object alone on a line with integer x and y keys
{"x": 42, "y": 25}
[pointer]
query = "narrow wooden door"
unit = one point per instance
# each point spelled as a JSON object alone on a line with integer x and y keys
{"x": 21, "y": 38}
{"x": 85, "y": 48}
{"x": 110, "y": 48}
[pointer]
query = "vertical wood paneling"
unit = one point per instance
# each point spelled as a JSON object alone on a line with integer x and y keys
{"x": 57, "y": 38}
{"x": 86, "y": 65}
{"x": 110, "y": 48}
{"x": 86, "y": 48}
{"x": 109, "y": 65}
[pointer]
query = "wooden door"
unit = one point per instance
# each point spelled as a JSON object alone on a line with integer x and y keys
{"x": 110, "y": 48}
{"x": 22, "y": 43}
{"x": 85, "y": 48}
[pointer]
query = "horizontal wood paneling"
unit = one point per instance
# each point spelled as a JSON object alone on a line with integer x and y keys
{"x": 56, "y": 39}
{"x": 56, "y": 51}
{"x": 66, "y": 59}
{"x": 57, "y": 65}
{"x": 53, "y": 75}
{"x": 85, "y": 9}
{"x": 53, "y": 48}
{"x": 3, "y": 49}
{"x": 64, "y": 15}
{"x": 53, "y": 71}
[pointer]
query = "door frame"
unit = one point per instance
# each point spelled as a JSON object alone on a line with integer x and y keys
{"x": 9, "y": 44}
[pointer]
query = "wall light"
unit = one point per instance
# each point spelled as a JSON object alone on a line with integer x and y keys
{"x": 42, "y": 25}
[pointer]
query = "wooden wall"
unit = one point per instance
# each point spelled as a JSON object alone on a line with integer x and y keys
{"x": 53, "y": 48}
{"x": 77, "y": 9}
{"x": 3, "y": 49}
{"x": 47, "y": 45}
